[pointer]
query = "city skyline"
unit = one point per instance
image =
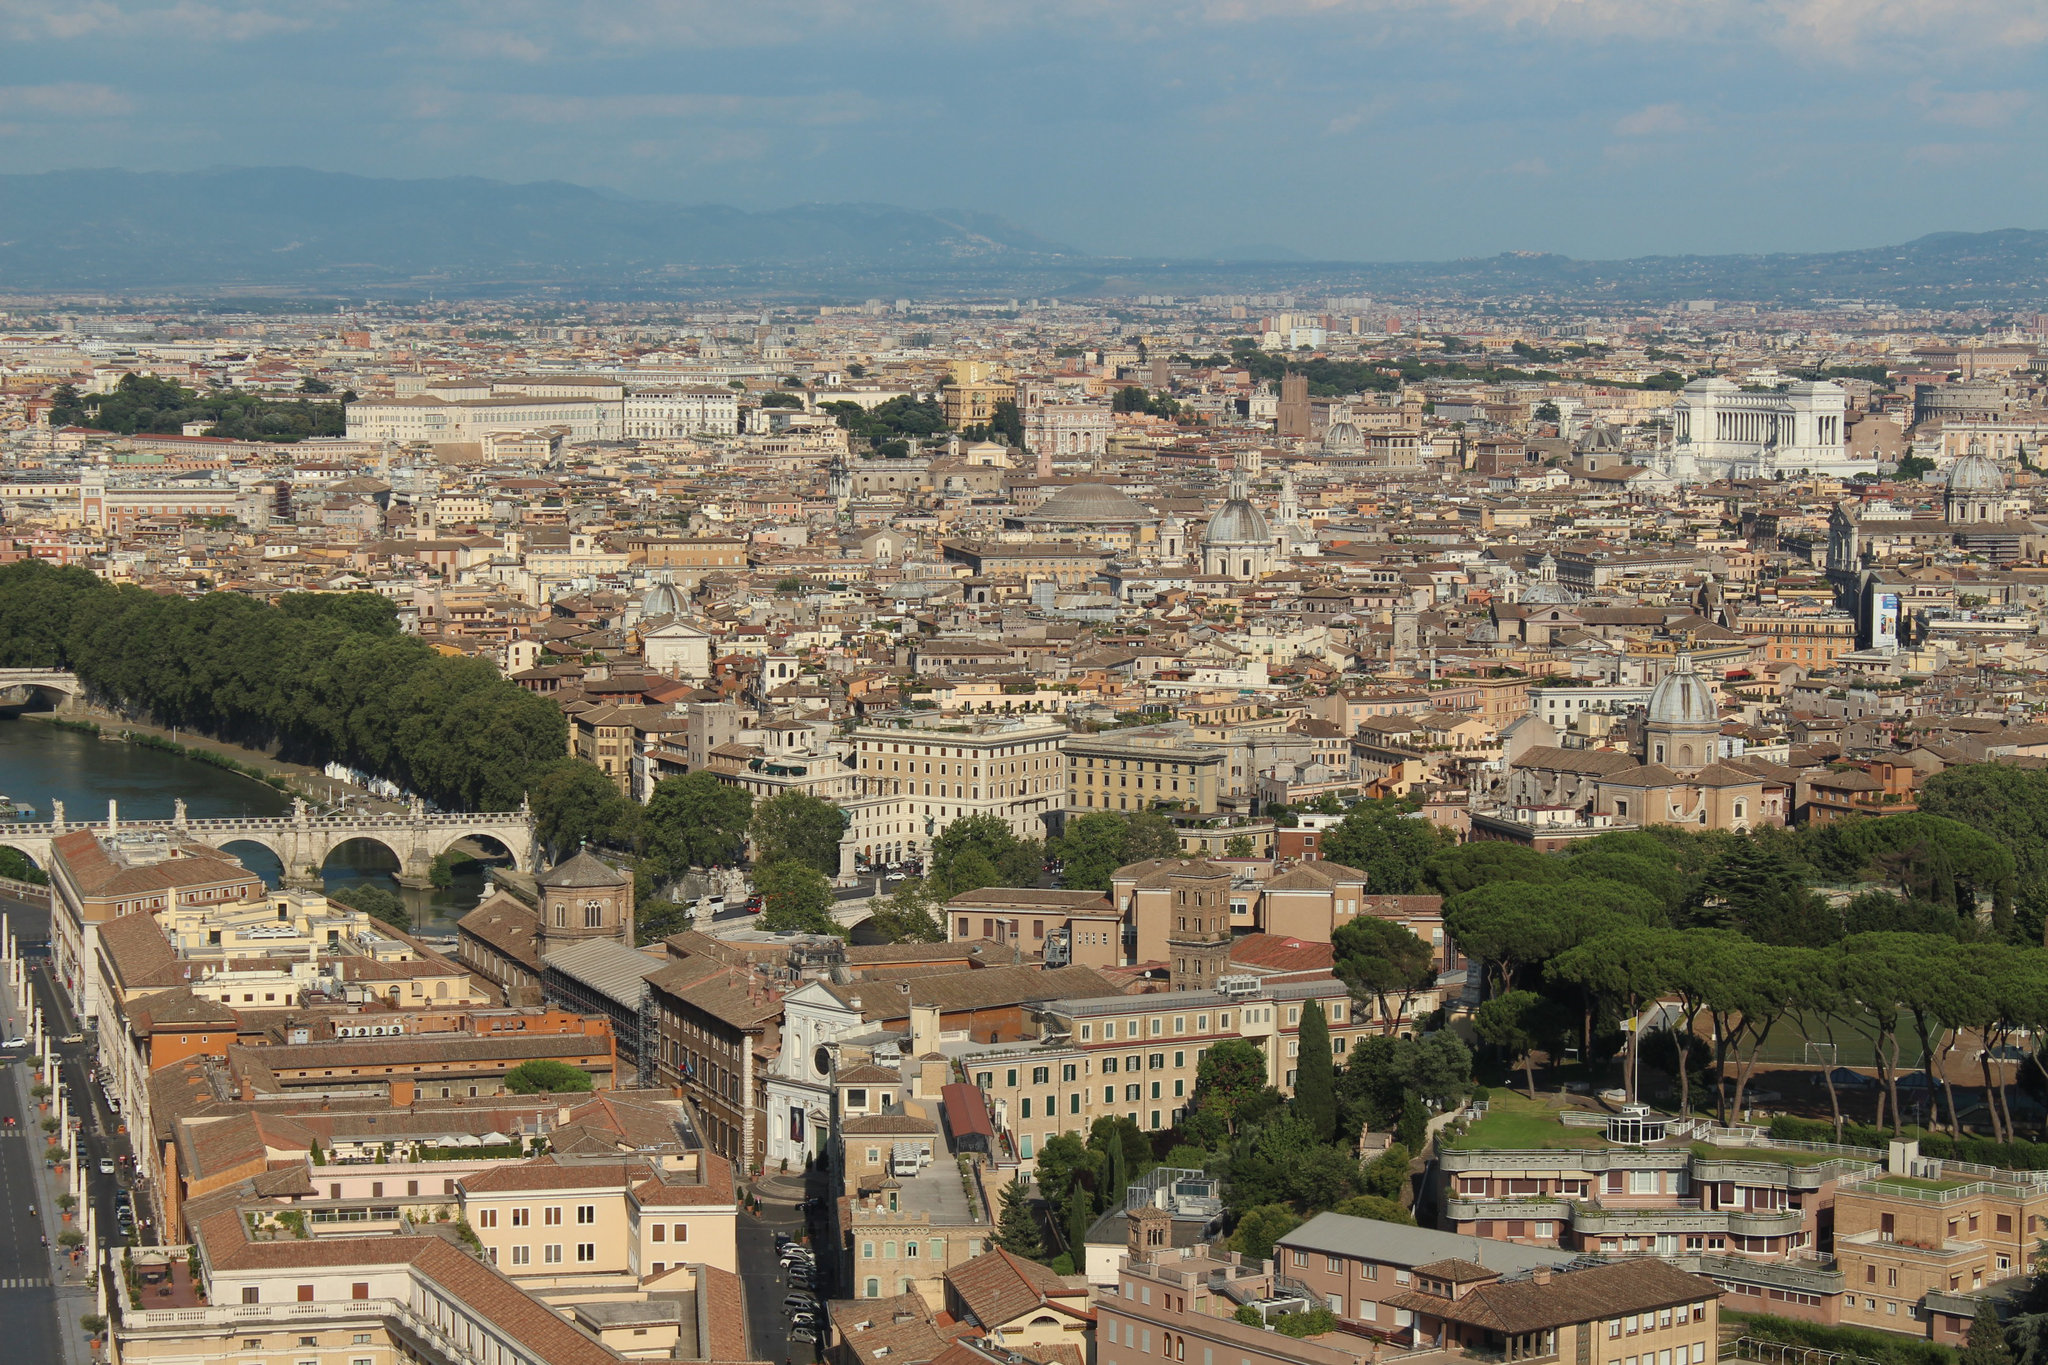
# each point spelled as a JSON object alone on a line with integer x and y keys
{"x": 1376, "y": 131}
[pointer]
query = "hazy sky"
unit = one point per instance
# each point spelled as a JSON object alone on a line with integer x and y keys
{"x": 1358, "y": 129}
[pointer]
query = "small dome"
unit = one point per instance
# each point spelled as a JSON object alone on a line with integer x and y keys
{"x": 1546, "y": 590}
{"x": 660, "y": 600}
{"x": 582, "y": 871}
{"x": 1342, "y": 436}
{"x": 1090, "y": 502}
{"x": 1975, "y": 474}
{"x": 1239, "y": 523}
{"x": 1683, "y": 698}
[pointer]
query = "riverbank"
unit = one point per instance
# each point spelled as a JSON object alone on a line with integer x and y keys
{"x": 295, "y": 779}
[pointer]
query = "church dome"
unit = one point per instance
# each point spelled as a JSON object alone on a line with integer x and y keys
{"x": 1975, "y": 474}
{"x": 1546, "y": 590}
{"x": 1084, "y": 503}
{"x": 1343, "y": 436}
{"x": 1239, "y": 523}
{"x": 660, "y": 600}
{"x": 1683, "y": 698}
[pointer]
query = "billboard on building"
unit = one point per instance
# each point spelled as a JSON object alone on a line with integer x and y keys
{"x": 1884, "y": 621}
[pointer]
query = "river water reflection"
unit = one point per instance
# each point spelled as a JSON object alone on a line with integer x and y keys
{"x": 41, "y": 764}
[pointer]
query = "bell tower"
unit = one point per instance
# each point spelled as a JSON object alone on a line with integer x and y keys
{"x": 1198, "y": 926}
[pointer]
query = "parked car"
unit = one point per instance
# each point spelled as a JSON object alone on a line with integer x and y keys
{"x": 809, "y": 1301}
{"x": 803, "y": 1334}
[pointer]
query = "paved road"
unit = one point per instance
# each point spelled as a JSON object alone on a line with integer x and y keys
{"x": 767, "y": 1284}
{"x": 28, "y": 1301}
{"x": 100, "y": 1136}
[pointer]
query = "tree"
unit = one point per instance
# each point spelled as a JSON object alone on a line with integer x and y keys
{"x": 2010, "y": 805}
{"x": 1387, "y": 1176}
{"x": 1513, "y": 926}
{"x": 695, "y": 820}
{"x": 1986, "y": 1344}
{"x": 1017, "y": 1231}
{"x": 1388, "y": 842}
{"x": 375, "y": 902}
{"x": 1383, "y": 960}
{"x": 1065, "y": 1162}
{"x": 910, "y": 914}
{"x": 1413, "y": 1130}
{"x": 655, "y": 920}
{"x": 1376, "y": 1208}
{"x": 1518, "y": 1023}
{"x": 982, "y": 850}
{"x": 1096, "y": 844}
{"x": 1239, "y": 846}
{"x": 15, "y": 866}
{"x": 1258, "y": 1228}
{"x": 796, "y": 898}
{"x": 797, "y": 825}
{"x": 545, "y": 1076}
{"x": 1315, "y": 1079}
{"x": 1546, "y": 411}
{"x": 1229, "y": 1074}
{"x": 1465, "y": 867}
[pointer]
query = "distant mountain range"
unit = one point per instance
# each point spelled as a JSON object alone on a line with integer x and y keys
{"x": 297, "y": 231}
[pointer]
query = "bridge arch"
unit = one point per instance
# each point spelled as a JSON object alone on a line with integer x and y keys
{"x": 35, "y": 851}
{"x": 518, "y": 850}
{"x": 394, "y": 848}
{"x": 258, "y": 842}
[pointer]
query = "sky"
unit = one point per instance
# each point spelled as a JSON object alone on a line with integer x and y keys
{"x": 1339, "y": 129}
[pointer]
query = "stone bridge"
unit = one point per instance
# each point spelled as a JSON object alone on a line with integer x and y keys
{"x": 303, "y": 841}
{"x": 52, "y": 687}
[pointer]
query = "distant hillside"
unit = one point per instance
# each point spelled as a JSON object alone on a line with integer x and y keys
{"x": 290, "y": 226}
{"x": 309, "y": 231}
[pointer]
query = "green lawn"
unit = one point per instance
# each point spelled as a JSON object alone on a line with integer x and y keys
{"x": 1775, "y": 1156}
{"x": 1911, "y": 1182}
{"x": 1515, "y": 1122}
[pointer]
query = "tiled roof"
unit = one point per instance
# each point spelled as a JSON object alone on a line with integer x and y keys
{"x": 1582, "y": 1295}
{"x": 998, "y": 1286}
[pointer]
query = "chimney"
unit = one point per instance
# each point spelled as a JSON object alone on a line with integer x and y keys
{"x": 562, "y": 1117}
{"x": 1540, "y": 1275}
{"x": 113, "y": 816}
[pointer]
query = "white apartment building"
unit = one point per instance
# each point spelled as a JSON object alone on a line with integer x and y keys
{"x": 435, "y": 419}
{"x": 655, "y": 414}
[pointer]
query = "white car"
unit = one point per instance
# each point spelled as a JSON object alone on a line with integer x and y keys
{"x": 106, "y": 1165}
{"x": 14, "y": 1042}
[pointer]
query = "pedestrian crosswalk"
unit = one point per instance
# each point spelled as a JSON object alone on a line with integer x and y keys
{"x": 24, "y": 1283}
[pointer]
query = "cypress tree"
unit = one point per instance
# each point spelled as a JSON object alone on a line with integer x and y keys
{"x": 1080, "y": 1213}
{"x": 1119, "y": 1174}
{"x": 1017, "y": 1231}
{"x": 1315, "y": 1078}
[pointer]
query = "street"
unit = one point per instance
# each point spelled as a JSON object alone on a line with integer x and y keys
{"x": 100, "y": 1136}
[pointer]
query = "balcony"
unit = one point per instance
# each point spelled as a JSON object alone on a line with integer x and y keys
{"x": 1465, "y": 1208}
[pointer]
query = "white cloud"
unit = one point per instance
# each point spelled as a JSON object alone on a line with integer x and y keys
{"x": 67, "y": 99}
{"x": 1653, "y": 120}
{"x": 1969, "y": 108}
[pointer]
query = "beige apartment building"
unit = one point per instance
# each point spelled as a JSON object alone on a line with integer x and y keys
{"x": 916, "y": 782}
{"x": 1138, "y": 1055}
{"x": 564, "y": 1231}
{"x": 1108, "y": 772}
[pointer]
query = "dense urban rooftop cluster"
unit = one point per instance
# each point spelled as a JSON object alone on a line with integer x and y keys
{"x": 1183, "y": 651}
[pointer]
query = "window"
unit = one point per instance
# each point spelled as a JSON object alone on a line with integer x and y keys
{"x": 659, "y": 1234}
{"x": 586, "y": 1251}
{"x": 551, "y": 1217}
{"x": 521, "y": 1255}
{"x": 521, "y": 1217}
{"x": 586, "y": 1213}
{"x": 487, "y": 1218}
{"x": 551, "y": 1254}
{"x": 305, "y": 1293}
{"x": 249, "y": 1293}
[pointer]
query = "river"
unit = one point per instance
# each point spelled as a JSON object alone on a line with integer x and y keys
{"x": 41, "y": 763}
